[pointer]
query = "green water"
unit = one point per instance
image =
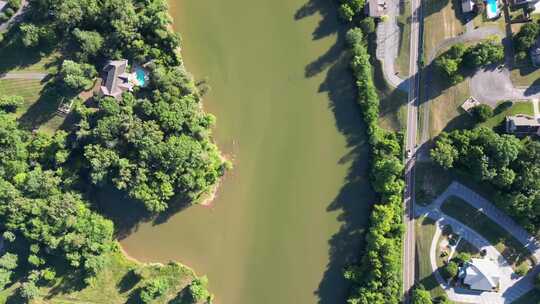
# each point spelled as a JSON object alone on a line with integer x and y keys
{"x": 292, "y": 211}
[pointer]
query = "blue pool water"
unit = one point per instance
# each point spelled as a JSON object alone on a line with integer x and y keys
{"x": 141, "y": 76}
{"x": 492, "y": 6}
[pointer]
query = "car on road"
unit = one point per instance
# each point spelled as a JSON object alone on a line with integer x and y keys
{"x": 409, "y": 153}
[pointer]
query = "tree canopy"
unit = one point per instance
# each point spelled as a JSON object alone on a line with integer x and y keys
{"x": 510, "y": 165}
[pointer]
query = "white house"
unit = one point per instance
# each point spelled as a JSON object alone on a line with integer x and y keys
{"x": 482, "y": 274}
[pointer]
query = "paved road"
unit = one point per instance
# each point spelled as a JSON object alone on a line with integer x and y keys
{"x": 30, "y": 76}
{"x": 412, "y": 120}
{"x": 512, "y": 287}
{"x": 15, "y": 16}
{"x": 388, "y": 35}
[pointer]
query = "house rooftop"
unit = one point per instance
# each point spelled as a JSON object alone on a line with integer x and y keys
{"x": 116, "y": 80}
{"x": 377, "y": 8}
{"x": 482, "y": 274}
{"x": 523, "y": 124}
{"x": 470, "y": 103}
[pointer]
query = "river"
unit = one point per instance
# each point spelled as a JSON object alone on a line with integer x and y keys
{"x": 292, "y": 211}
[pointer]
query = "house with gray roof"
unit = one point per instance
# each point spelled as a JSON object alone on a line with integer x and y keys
{"x": 482, "y": 274}
{"x": 522, "y": 124}
{"x": 117, "y": 80}
{"x": 525, "y": 3}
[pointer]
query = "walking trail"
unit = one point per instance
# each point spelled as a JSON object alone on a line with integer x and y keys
{"x": 29, "y": 76}
{"x": 15, "y": 17}
{"x": 512, "y": 287}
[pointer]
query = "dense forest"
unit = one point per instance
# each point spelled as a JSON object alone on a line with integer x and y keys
{"x": 508, "y": 164}
{"x": 153, "y": 144}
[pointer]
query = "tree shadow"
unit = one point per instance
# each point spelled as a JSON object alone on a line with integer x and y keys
{"x": 434, "y": 6}
{"x": 128, "y": 281}
{"x": 327, "y": 26}
{"x": 127, "y": 213}
{"x": 43, "y": 109}
{"x": 14, "y": 55}
{"x": 183, "y": 297}
{"x": 353, "y": 202}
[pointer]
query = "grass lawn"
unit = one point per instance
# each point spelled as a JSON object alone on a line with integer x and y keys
{"x": 444, "y": 101}
{"x": 393, "y": 102}
{"x": 431, "y": 181}
{"x": 444, "y": 109}
{"x": 506, "y": 109}
{"x": 115, "y": 284}
{"x": 504, "y": 242}
{"x": 404, "y": 23}
{"x": 39, "y": 109}
{"x": 425, "y": 229}
{"x": 524, "y": 74}
{"x": 442, "y": 20}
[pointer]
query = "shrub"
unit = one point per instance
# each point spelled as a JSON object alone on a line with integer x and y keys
{"x": 522, "y": 269}
{"x": 3, "y": 18}
{"x": 9, "y": 12}
{"x": 368, "y": 25}
{"x": 521, "y": 56}
{"x": 10, "y": 103}
{"x": 198, "y": 289}
{"x": 450, "y": 270}
{"x": 153, "y": 289}
{"x": 421, "y": 296}
{"x": 14, "y": 4}
{"x": 462, "y": 257}
{"x": 29, "y": 290}
{"x": 482, "y": 112}
{"x": 537, "y": 281}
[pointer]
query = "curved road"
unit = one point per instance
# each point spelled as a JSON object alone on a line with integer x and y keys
{"x": 511, "y": 287}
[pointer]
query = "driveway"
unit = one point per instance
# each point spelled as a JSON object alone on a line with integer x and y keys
{"x": 30, "y": 76}
{"x": 512, "y": 287}
{"x": 15, "y": 17}
{"x": 388, "y": 36}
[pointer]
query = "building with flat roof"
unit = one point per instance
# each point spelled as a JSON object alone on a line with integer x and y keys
{"x": 469, "y": 104}
{"x": 117, "y": 80}
{"x": 376, "y": 8}
{"x": 522, "y": 124}
{"x": 482, "y": 274}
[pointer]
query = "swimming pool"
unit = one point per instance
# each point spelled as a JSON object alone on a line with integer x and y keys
{"x": 492, "y": 9}
{"x": 141, "y": 76}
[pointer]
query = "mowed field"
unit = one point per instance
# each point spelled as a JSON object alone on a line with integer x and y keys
{"x": 38, "y": 110}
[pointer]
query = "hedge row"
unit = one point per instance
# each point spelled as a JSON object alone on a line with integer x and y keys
{"x": 377, "y": 278}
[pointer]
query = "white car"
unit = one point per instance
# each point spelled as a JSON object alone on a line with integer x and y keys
{"x": 409, "y": 153}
